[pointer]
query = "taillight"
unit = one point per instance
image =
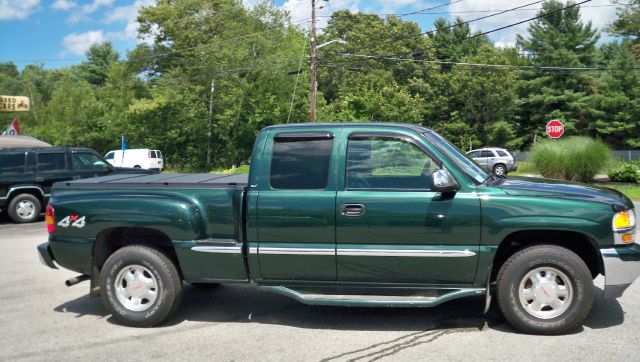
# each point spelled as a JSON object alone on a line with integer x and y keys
{"x": 50, "y": 219}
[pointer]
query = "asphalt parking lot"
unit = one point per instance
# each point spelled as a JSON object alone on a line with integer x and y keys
{"x": 42, "y": 319}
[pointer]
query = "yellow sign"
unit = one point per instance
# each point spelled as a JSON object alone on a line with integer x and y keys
{"x": 14, "y": 104}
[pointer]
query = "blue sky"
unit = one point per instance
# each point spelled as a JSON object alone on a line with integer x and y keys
{"x": 57, "y": 32}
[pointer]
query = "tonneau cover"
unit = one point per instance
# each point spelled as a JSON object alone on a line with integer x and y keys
{"x": 204, "y": 180}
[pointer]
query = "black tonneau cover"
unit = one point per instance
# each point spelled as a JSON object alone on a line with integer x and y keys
{"x": 178, "y": 180}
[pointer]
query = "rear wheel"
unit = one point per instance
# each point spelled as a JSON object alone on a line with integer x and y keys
{"x": 140, "y": 286}
{"x": 545, "y": 289}
{"x": 24, "y": 208}
{"x": 499, "y": 170}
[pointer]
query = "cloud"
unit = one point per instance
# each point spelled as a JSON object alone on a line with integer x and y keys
{"x": 82, "y": 12}
{"x": 599, "y": 15}
{"x": 300, "y": 11}
{"x": 63, "y": 5}
{"x": 17, "y": 10}
{"x": 127, "y": 14}
{"x": 78, "y": 43}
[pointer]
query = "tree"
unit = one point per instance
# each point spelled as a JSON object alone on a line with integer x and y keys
{"x": 560, "y": 38}
{"x": 627, "y": 23}
{"x": 100, "y": 57}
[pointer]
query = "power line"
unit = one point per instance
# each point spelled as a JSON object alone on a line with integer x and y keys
{"x": 527, "y": 20}
{"x": 484, "y": 65}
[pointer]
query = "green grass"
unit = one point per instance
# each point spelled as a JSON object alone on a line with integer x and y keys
{"x": 524, "y": 168}
{"x": 241, "y": 169}
{"x": 574, "y": 158}
{"x": 632, "y": 191}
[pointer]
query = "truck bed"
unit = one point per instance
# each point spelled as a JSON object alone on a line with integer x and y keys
{"x": 179, "y": 180}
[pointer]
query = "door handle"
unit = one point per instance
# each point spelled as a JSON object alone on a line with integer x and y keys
{"x": 352, "y": 210}
{"x": 77, "y": 177}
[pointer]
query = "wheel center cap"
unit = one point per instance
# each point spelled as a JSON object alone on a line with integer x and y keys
{"x": 137, "y": 290}
{"x": 545, "y": 292}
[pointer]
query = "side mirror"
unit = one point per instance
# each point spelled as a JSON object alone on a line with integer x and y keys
{"x": 443, "y": 182}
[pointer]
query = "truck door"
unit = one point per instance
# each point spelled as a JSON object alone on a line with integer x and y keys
{"x": 296, "y": 207}
{"x": 390, "y": 226}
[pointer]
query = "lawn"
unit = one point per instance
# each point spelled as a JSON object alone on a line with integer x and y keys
{"x": 632, "y": 191}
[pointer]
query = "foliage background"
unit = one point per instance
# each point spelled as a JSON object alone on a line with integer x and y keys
{"x": 158, "y": 95}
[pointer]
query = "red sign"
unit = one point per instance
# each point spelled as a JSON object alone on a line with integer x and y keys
{"x": 555, "y": 128}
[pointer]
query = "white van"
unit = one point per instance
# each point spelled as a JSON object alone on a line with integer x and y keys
{"x": 136, "y": 158}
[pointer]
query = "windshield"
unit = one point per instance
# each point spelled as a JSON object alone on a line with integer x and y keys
{"x": 468, "y": 165}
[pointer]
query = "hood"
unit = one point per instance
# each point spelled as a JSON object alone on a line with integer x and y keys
{"x": 130, "y": 170}
{"x": 538, "y": 187}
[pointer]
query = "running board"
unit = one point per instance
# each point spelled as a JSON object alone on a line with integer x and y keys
{"x": 374, "y": 297}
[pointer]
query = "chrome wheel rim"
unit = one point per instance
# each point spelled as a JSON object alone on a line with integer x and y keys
{"x": 26, "y": 209}
{"x": 545, "y": 292}
{"x": 136, "y": 288}
{"x": 499, "y": 170}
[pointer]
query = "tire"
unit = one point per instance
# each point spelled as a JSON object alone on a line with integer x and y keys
{"x": 499, "y": 170}
{"x": 24, "y": 208}
{"x": 561, "y": 297}
{"x": 141, "y": 273}
{"x": 137, "y": 166}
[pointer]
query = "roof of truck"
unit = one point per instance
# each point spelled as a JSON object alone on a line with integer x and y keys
{"x": 413, "y": 127}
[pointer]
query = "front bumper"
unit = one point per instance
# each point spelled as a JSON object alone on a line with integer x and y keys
{"x": 46, "y": 258}
{"x": 621, "y": 268}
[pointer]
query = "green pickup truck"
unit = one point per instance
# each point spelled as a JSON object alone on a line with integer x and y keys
{"x": 347, "y": 214}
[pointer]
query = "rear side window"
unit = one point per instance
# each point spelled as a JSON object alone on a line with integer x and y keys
{"x": 48, "y": 162}
{"x": 502, "y": 153}
{"x": 300, "y": 164}
{"x": 12, "y": 163}
{"x": 486, "y": 153}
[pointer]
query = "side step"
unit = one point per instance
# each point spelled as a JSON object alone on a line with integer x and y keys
{"x": 374, "y": 297}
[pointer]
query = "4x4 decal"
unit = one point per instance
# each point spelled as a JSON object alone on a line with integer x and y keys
{"x": 72, "y": 220}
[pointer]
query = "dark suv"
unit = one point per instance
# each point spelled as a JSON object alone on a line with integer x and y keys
{"x": 26, "y": 175}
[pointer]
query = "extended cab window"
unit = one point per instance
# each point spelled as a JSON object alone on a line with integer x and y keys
{"x": 48, "y": 162}
{"x": 12, "y": 163}
{"x": 84, "y": 161}
{"x": 387, "y": 163}
{"x": 299, "y": 163}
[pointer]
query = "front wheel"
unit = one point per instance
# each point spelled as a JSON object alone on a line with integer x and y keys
{"x": 140, "y": 286}
{"x": 545, "y": 289}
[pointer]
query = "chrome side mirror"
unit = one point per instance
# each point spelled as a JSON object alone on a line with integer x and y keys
{"x": 443, "y": 182}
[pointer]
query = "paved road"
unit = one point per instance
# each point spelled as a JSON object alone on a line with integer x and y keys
{"x": 41, "y": 319}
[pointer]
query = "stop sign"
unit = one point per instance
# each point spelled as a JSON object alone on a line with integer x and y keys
{"x": 555, "y": 128}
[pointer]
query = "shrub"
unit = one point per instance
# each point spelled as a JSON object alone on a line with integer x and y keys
{"x": 624, "y": 172}
{"x": 573, "y": 158}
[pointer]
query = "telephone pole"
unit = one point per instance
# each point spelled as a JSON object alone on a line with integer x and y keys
{"x": 209, "y": 123}
{"x": 314, "y": 62}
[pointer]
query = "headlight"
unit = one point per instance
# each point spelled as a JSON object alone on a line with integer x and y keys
{"x": 624, "y": 220}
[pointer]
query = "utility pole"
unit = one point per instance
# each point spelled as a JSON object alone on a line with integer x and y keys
{"x": 209, "y": 123}
{"x": 314, "y": 62}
